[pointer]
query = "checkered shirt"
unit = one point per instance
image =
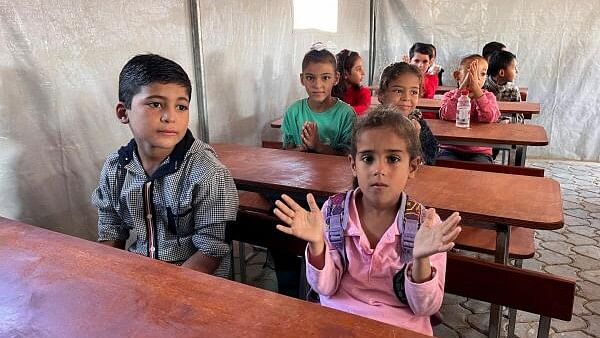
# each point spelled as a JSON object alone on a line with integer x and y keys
{"x": 192, "y": 197}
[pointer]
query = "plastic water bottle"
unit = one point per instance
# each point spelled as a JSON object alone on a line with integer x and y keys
{"x": 463, "y": 107}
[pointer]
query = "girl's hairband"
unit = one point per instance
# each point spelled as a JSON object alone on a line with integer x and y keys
{"x": 328, "y": 46}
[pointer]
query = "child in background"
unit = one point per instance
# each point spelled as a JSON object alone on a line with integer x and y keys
{"x": 502, "y": 71}
{"x": 384, "y": 155}
{"x": 167, "y": 186}
{"x": 399, "y": 87}
{"x": 492, "y": 47}
{"x": 349, "y": 88}
{"x": 471, "y": 76}
{"x": 435, "y": 69}
{"x": 320, "y": 123}
{"x": 422, "y": 56}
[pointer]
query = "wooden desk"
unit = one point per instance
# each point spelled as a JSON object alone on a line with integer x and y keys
{"x": 504, "y": 136}
{"x": 277, "y": 123}
{"x": 53, "y": 285}
{"x": 499, "y": 135}
{"x": 483, "y": 199}
{"x": 525, "y": 108}
{"x": 530, "y": 202}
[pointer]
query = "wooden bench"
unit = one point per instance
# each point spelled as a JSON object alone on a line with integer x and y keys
{"x": 495, "y": 168}
{"x": 536, "y": 292}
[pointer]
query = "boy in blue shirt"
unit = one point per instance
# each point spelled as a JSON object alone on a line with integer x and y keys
{"x": 167, "y": 186}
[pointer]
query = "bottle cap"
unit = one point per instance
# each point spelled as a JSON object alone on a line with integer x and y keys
{"x": 464, "y": 92}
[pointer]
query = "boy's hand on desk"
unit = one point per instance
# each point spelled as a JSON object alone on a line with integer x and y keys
{"x": 434, "y": 236}
{"x": 306, "y": 225}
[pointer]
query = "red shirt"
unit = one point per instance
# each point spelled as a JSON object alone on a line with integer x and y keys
{"x": 359, "y": 99}
{"x": 430, "y": 84}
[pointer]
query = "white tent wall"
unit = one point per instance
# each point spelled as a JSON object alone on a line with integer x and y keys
{"x": 59, "y": 79}
{"x": 557, "y": 47}
{"x": 59, "y": 71}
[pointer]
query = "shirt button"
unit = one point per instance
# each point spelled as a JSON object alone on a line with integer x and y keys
{"x": 152, "y": 249}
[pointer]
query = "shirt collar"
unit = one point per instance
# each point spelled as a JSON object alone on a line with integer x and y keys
{"x": 170, "y": 165}
{"x": 354, "y": 220}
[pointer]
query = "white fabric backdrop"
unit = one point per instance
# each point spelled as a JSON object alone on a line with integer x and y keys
{"x": 60, "y": 62}
{"x": 59, "y": 70}
{"x": 557, "y": 47}
{"x": 59, "y": 78}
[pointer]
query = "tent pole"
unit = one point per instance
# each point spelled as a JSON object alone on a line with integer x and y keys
{"x": 198, "y": 58}
{"x": 372, "y": 44}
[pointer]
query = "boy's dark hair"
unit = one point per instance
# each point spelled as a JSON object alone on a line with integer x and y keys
{"x": 470, "y": 58}
{"x": 422, "y": 48}
{"x": 318, "y": 56}
{"x": 386, "y": 117}
{"x": 500, "y": 60}
{"x": 146, "y": 69}
{"x": 393, "y": 71}
{"x": 345, "y": 62}
{"x": 490, "y": 48}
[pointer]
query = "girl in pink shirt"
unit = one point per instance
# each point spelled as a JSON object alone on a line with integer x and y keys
{"x": 471, "y": 75}
{"x": 384, "y": 155}
{"x": 349, "y": 89}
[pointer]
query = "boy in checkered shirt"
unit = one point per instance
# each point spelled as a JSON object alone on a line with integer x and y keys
{"x": 164, "y": 184}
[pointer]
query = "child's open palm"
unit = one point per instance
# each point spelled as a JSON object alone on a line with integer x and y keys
{"x": 435, "y": 236}
{"x": 306, "y": 225}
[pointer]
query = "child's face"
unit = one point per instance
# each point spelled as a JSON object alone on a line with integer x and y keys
{"x": 357, "y": 72}
{"x": 509, "y": 73}
{"x": 319, "y": 79}
{"x": 402, "y": 93}
{"x": 480, "y": 74}
{"x": 422, "y": 61}
{"x": 158, "y": 117}
{"x": 382, "y": 166}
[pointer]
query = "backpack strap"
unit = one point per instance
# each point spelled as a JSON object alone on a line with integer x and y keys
{"x": 409, "y": 227}
{"x": 336, "y": 219}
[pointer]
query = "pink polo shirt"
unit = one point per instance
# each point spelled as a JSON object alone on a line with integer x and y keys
{"x": 366, "y": 289}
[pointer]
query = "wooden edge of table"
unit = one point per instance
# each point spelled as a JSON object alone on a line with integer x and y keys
{"x": 61, "y": 269}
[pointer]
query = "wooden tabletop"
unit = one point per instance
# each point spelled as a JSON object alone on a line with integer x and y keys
{"x": 527, "y": 108}
{"x": 490, "y": 133}
{"x": 277, "y": 123}
{"x": 531, "y": 202}
{"x": 54, "y": 285}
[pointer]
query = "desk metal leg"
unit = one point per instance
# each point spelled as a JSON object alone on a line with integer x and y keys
{"x": 512, "y": 156}
{"x": 502, "y": 240}
{"x": 242, "y": 259}
{"x": 521, "y": 155}
{"x": 512, "y": 313}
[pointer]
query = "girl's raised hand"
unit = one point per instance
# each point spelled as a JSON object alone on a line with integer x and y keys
{"x": 405, "y": 58}
{"x": 435, "y": 236}
{"x": 306, "y": 225}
